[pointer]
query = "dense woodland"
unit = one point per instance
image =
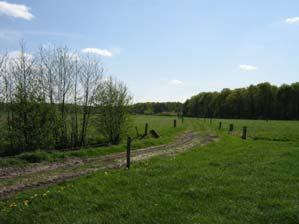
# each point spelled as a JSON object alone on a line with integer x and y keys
{"x": 48, "y": 100}
{"x": 262, "y": 101}
{"x": 157, "y": 108}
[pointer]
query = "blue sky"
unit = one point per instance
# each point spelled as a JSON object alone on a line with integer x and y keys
{"x": 166, "y": 50}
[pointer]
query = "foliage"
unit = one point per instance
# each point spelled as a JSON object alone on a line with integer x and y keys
{"x": 159, "y": 108}
{"x": 35, "y": 157}
{"x": 112, "y": 100}
{"x": 263, "y": 101}
{"x": 47, "y": 100}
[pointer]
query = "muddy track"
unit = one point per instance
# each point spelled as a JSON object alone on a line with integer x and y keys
{"x": 14, "y": 180}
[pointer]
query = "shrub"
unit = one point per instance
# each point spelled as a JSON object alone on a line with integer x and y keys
{"x": 34, "y": 157}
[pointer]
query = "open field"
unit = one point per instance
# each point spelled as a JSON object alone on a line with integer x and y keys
{"x": 227, "y": 181}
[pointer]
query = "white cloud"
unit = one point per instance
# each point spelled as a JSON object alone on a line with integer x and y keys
{"x": 292, "y": 20}
{"x": 15, "y": 10}
{"x": 176, "y": 82}
{"x": 101, "y": 52}
{"x": 247, "y": 67}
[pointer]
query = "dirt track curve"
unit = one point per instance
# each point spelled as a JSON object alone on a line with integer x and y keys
{"x": 13, "y": 180}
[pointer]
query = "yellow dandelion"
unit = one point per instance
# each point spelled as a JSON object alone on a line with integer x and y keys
{"x": 26, "y": 202}
{"x": 12, "y": 205}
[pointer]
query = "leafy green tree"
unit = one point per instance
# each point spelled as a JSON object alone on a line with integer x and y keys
{"x": 112, "y": 100}
{"x": 262, "y": 101}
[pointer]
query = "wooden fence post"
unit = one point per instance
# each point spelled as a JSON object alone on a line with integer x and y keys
{"x": 174, "y": 123}
{"x": 220, "y": 125}
{"x": 244, "y": 135}
{"x": 129, "y": 140}
{"x": 146, "y": 129}
{"x": 231, "y": 127}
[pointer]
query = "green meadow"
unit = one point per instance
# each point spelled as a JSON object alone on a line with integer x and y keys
{"x": 228, "y": 181}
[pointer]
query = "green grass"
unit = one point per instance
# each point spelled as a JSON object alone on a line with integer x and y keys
{"x": 163, "y": 126}
{"x": 229, "y": 181}
{"x": 263, "y": 130}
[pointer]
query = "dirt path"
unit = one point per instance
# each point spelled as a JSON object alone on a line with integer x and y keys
{"x": 14, "y": 180}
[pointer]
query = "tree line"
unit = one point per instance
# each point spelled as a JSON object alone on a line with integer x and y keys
{"x": 262, "y": 101}
{"x": 47, "y": 100}
{"x": 158, "y": 108}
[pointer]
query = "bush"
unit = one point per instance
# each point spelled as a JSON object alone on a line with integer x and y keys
{"x": 34, "y": 157}
{"x": 7, "y": 162}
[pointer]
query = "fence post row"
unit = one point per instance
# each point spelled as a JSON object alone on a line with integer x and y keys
{"x": 129, "y": 140}
{"x": 174, "y": 123}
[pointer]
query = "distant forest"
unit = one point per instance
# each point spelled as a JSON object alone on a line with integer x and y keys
{"x": 165, "y": 108}
{"x": 262, "y": 101}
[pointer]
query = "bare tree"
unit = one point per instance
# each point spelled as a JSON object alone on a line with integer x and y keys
{"x": 76, "y": 97}
{"x": 90, "y": 79}
{"x": 57, "y": 82}
{"x": 3, "y": 61}
{"x": 3, "y": 74}
{"x": 65, "y": 68}
{"x": 47, "y": 64}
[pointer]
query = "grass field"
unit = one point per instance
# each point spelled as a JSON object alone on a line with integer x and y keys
{"x": 229, "y": 181}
